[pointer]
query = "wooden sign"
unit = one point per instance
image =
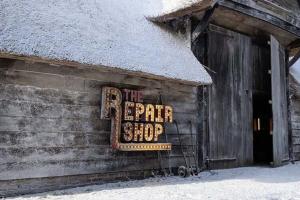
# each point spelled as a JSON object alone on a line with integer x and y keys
{"x": 135, "y": 126}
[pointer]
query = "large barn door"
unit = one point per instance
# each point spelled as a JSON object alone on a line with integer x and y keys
{"x": 230, "y": 99}
{"x": 279, "y": 104}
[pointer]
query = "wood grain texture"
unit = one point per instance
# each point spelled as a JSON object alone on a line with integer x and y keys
{"x": 249, "y": 18}
{"x": 230, "y": 98}
{"x": 50, "y": 126}
{"x": 295, "y": 116}
{"x": 279, "y": 104}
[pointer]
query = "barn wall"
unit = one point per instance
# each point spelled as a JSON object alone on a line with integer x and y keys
{"x": 295, "y": 117}
{"x": 51, "y": 134}
{"x": 230, "y": 99}
{"x": 226, "y": 141}
{"x": 228, "y": 134}
{"x": 288, "y": 10}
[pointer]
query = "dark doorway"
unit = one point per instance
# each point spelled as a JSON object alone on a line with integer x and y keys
{"x": 262, "y": 129}
{"x": 262, "y": 104}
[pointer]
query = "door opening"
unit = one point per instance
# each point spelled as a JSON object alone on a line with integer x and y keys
{"x": 262, "y": 129}
{"x": 262, "y": 104}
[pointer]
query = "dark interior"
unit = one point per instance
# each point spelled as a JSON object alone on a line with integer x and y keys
{"x": 262, "y": 127}
{"x": 262, "y": 106}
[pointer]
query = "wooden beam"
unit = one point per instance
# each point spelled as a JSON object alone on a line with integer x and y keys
{"x": 294, "y": 60}
{"x": 203, "y": 23}
{"x": 285, "y": 24}
{"x": 101, "y": 68}
{"x": 294, "y": 44}
{"x": 198, "y": 6}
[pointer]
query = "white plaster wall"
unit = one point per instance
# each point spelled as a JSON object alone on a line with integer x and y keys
{"x": 100, "y": 32}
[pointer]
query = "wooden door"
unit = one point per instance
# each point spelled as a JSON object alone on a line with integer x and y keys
{"x": 230, "y": 99}
{"x": 279, "y": 103}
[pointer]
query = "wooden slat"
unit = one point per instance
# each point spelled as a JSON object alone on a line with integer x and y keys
{"x": 47, "y": 95}
{"x": 279, "y": 103}
{"x": 98, "y": 69}
{"x": 75, "y": 138}
{"x": 230, "y": 100}
{"x": 203, "y": 23}
{"x": 294, "y": 59}
{"x": 295, "y": 125}
{"x": 13, "y": 171}
{"x": 296, "y": 155}
{"x": 53, "y": 111}
{"x": 296, "y": 140}
{"x": 50, "y": 124}
{"x": 296, "y": 132}
{"x": 23, "y": 139}
{"x": 95, "y": 152}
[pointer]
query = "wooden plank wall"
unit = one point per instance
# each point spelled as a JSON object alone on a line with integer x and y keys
{"x": 230, "y": 99}
{"x": 279, "y": 104}
{"x": 261, "y": 66}
{"x": 277, "y": 6}
{"x": 198, "y": 47}
{"x": 292, "y": 5}
{"x": 51, "y": 134}
{"x": 295, "y": 117}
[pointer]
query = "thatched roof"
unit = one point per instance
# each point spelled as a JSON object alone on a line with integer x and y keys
{"x": 110, "y": 33}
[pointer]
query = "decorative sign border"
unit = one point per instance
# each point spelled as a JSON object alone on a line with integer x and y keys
{"x": 112, "y": 109}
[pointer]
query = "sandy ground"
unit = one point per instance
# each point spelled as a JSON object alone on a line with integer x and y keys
{"x": 240, "y": 183}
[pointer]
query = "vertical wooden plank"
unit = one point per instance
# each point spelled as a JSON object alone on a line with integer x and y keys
{"x": 246, "y": 106}
{"x": 230, "y": 98}
{"x": 294, "y": 88}
{"x": 279, "y": 104}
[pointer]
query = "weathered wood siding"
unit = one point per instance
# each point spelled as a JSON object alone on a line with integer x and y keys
{"x": 261, "y": 68}
{"x": 230, "y": 99}
{"x": 258, "y": 17}
{"x": 289, "y": 5}
{"x": 281, "y": 8}
{"x": 279, "y": 104}
{"x": 295, "y": 117}
{"x": 292, "y": 5}
{"x": 51, "y": 134}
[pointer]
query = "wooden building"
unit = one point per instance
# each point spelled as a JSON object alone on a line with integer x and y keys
{"x": 59, "y": 60}
{"x": 54, "y": 65}
{"x": 295, "y": 110}
{"x": 246, "y": 45}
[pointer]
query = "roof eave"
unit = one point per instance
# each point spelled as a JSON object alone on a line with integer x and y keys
{"x": 38, "y": 59}
{"x": 183, "y": 11}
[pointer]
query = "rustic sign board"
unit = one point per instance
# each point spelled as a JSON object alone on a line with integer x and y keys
{"x": 135, "y": 126}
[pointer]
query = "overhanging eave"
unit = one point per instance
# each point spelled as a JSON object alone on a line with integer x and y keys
{"x": 186, "y": 7}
